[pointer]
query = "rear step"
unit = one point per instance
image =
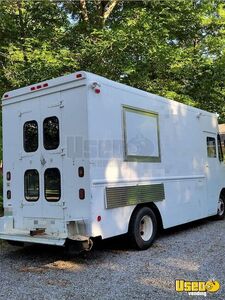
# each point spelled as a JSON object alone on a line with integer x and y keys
{"x": 27, "y": 238}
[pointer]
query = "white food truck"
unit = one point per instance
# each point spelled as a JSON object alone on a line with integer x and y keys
{"x": 86, "y": 157}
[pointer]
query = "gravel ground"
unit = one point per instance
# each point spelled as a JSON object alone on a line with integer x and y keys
{"x": 113, "y": 271}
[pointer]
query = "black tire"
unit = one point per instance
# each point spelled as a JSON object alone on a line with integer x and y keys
{"x": 221, "y": 208}
{"x": 143, "y": 228}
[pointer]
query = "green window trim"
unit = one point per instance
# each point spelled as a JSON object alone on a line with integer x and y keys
{"x": 140, "y": 158}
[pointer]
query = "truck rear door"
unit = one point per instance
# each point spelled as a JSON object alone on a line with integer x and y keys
{"x": 41, "y": 163}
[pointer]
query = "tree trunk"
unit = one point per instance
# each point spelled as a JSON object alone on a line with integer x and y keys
{"x": 108, "y": 10}
{"x": 84, "y": 11}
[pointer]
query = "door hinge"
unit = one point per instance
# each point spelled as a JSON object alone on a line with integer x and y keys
{"x": 60, "y": 105}
{"x": 63, "y": 152}
{"x": 24, "y": 112}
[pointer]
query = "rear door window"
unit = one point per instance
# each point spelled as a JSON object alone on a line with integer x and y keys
{"x": 31, "y": 185}
{"x": 30, "y": 136}
{"x": 52, "y": 180}
{"x": 51, "y": 133}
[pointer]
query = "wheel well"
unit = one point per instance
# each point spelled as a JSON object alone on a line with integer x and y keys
{"x": 154, "y": 209}
{"x": 222, "y": 193}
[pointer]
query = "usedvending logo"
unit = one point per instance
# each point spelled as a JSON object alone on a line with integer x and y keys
{"x": 197, "y": 288}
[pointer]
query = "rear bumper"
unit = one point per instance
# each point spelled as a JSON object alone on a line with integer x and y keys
{"x": 47, "y": 240}
{"x": 7, "y": 232}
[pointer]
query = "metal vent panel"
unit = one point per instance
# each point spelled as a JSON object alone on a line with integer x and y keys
{"x": 132, "y": 195}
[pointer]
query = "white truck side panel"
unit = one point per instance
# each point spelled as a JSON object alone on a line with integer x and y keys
{"x": 183, "y": 164}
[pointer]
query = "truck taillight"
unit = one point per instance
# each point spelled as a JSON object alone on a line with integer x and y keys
{"x": 82, "y": 194}
{"x": 81, "y": 171}
{"x": 8, "y": 194}
{"x": 97, "y": 91}
{"x": 39, "y": 86}
{"x": 8, "y": 176}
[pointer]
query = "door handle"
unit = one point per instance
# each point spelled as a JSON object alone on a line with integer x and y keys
{"x": 43, "y": 160}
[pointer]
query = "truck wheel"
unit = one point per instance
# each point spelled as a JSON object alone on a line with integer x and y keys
{"x": 221, "y": 208}
{"x": 143, "y": 228}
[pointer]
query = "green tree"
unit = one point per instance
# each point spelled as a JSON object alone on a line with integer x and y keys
{"x": 175, "y": 49}
{"x": 31, "y": 49}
